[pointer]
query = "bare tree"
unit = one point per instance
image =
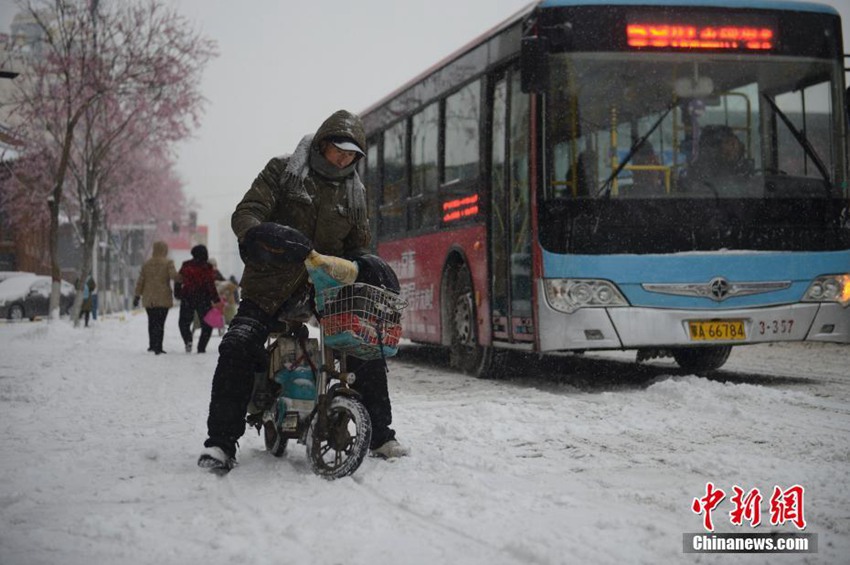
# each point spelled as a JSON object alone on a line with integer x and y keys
{"x": 103, "y": 84}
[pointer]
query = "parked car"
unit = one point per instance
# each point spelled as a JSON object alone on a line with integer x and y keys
{"x": 9, "y": 274}
{"x": 28, "y": 296}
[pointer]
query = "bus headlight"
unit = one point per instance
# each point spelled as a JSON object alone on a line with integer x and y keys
{"x": 829, "y": 288}
{"x": 568, "y": 295}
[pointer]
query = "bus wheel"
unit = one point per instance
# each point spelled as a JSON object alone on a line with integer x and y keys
{"x": 465, "y": 353}
{"x": 701, "y": 359}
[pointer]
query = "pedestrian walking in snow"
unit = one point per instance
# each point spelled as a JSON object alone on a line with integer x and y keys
{"x": 153, "y": 290}
{"x": 229, "y": 293}
{"x": 88, "y": 298}
{"x": 197, "y": 296}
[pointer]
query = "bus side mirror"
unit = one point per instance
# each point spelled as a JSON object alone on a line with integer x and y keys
{"x": 534, "y": 64}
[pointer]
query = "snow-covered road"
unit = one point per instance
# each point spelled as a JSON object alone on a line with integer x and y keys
{"x": 586, "y": 459}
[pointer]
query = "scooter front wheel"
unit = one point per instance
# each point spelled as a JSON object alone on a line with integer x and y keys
{"x": 339, "y": 450}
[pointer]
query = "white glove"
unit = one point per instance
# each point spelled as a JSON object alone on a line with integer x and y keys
{"x": 337, "y": 268}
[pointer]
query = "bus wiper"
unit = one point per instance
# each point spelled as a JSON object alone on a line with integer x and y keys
{"x": 606, "y": 186}
{"x": 804, "y": 143}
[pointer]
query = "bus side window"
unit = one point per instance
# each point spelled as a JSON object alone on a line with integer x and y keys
{"x": 424, "y": 206}
{"x": 463, "y": 117}
{"x": 372, "y": 180}
{"x": 392, "y": 208}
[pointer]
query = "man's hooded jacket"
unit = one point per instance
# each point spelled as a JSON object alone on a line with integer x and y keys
{"x": 306, "y": 192}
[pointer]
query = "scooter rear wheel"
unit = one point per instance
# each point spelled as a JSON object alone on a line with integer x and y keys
{"x": 340, "y": 451}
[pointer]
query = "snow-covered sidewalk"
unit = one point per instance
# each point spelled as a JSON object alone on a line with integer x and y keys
{"x": 99, "y": 441}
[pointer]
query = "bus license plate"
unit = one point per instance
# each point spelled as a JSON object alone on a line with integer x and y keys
{"x": 717, "y": 330}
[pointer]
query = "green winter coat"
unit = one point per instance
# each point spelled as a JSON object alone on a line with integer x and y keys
{"x": 328, "y": 208}
{"x": 154, "y": 284}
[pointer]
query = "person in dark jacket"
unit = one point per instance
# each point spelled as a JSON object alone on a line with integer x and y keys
{"x": 197, "y": 295}
{"x": 316, "y": 191}
{"x": 721, "y": 160}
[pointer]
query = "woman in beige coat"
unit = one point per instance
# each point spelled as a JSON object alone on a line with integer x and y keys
{"x": 154, "y": 289}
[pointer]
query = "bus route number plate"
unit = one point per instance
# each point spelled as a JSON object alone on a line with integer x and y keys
{"x": 717, "y": 330}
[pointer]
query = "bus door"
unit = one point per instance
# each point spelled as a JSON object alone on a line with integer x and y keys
{"x": 510, "y": 217}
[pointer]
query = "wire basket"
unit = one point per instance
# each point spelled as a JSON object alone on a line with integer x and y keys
{"x": 361, "y": 320}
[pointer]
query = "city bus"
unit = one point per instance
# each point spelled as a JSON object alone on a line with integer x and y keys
{"x": 535, "y": 190}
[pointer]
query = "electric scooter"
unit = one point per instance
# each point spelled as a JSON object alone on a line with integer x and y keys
{"x": 305, "y": 394}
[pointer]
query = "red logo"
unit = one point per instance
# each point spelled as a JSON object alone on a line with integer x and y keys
{"x": 747, "y": 507}
{"x": 707, "y": 504}
{"x": 785, "y": 506}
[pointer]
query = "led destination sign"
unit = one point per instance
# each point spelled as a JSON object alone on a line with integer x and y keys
{"x": 687, "y": 36}
{"x": 460, "y": 208}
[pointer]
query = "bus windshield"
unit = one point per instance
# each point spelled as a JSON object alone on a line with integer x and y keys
{"x": 692, "y": 126}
